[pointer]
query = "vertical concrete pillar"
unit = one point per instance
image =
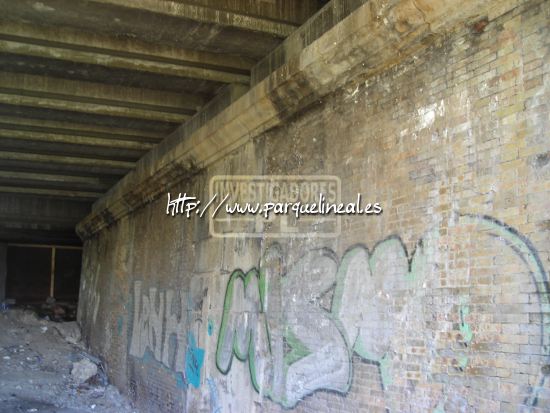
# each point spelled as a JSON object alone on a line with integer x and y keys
{"x": 3, "y": 271}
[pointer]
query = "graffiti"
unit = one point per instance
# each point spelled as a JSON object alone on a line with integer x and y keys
{"x": 274, "y": 318}
{"x": 316, "y": 344}
{"x": 214, "y": 396}
{"x": 119, "y": 325}
{"x": 157, "y": 327}
{"x": 465, "y": 328}
{"x": 160, "y": 321}
{"x": 210, "y": 327}
{"x": 193, "y": 362}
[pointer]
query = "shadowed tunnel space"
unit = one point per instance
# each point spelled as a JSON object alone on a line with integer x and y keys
{"x": 54, "y": 274}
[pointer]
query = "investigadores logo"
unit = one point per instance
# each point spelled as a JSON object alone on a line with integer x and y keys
{"x": 281, "y": 206}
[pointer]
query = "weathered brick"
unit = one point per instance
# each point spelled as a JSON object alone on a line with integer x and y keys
{"x": 454, "y": 143}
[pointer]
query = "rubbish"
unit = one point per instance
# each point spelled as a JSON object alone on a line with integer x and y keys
{"x": 83, "y": 370}
{"x": 70, "y": 331}
{"x": 90, "y": 357}
{"x": 59, "y": 376}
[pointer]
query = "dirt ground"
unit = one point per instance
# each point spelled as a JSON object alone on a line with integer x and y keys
{"x": 38, "y": 373}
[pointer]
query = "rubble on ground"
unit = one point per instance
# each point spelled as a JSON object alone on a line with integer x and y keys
{"x": 69, "y": 331}
{"x": 83, "y": 370}
{"x": 44, "y": 368}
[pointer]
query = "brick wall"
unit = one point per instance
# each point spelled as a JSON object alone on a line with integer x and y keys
{"x": 440, "y": 304}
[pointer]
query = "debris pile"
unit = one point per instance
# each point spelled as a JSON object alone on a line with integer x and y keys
{"x": 83, "y": 370}
{"x": 44, "y": 368}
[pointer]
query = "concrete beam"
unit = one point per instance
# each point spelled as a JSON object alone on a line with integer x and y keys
{"x": 206, "y": 15}
{"x": 67, "y": 104}
{"x": 66, "y": 160}
{"x": 375, "y": 37}
{"x": 73, "y": 139}
{"x": 80, "y": 129}
{"x": 46, "y": 178}
{"x": 109, "y": 174}
{"x": 69, "y": 150}
{"x": 290, "y": 11}
{"x": 60, "y": 193}
{"x": 332, "y": 13}
{"x": 96, "y": 98}
{"x": 81, "y": 47}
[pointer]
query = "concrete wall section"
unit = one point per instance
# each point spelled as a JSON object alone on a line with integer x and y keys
{"x": 440, "y": 304}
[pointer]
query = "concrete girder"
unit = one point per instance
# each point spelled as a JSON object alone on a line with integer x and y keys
{"x": 110, "y": 173}
{"x": 52, "y": 192}
{"x": 80, "y": 129}
{"x": 73, "y": 139}
{"x": 77, "y": 46}
{"x": 289, "y": 11}
{"x": 54, "y": 178}
{"x": 66, "y": 160}
{"x": 206, "y": 15}
{"x": 96, "y": 109}
{"x": 96, "y": 98}
{"x": 69, "y": 150}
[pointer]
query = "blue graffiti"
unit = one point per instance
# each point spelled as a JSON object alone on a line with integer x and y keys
{"x": 214, "y": 398}
{"x": 149, "y": 358}
{"x": 193, "y": 362}
{"x": 120, "y": 325}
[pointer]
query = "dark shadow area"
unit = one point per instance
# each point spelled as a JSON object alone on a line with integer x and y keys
{"x": 44, "y": 279}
